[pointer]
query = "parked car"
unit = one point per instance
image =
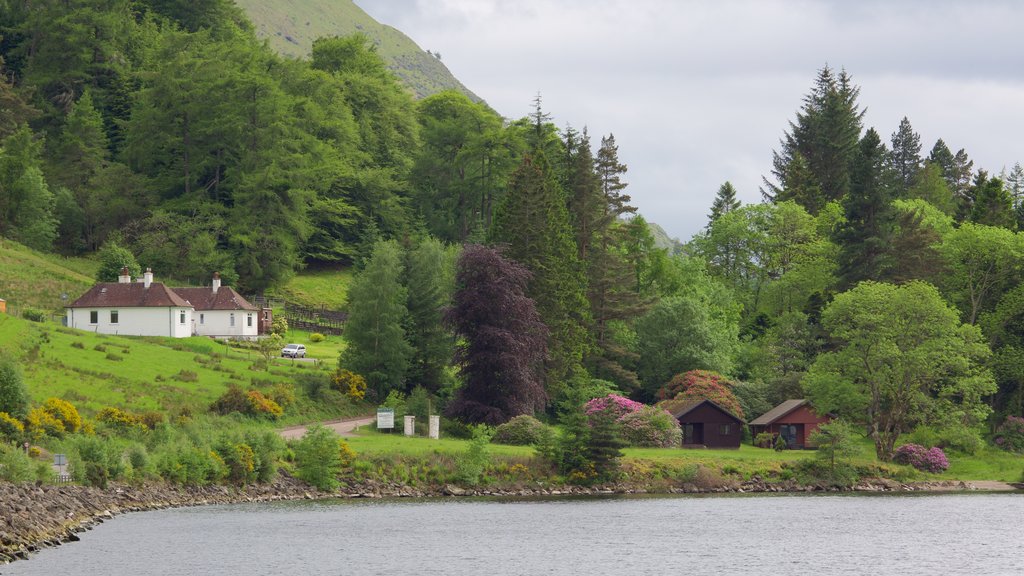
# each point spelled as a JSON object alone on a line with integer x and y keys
{"x": 294, "y": 351}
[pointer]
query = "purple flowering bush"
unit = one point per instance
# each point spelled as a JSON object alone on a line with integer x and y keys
{"x": 927, "y": 460}
{"x": 617, "y": 406}
{"x": 651, "y": 427}
{"x": 1010, "y": 435}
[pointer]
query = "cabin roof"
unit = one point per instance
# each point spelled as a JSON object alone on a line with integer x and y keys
{"x": 779, "y": 411}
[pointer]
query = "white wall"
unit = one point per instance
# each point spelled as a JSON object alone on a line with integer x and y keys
{"x": 218, "y": 323}
{"x": 134, "y": 321}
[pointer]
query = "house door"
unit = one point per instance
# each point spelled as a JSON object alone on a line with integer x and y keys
{"x": 788, "y": 433}
{"x": 693, "y": 434}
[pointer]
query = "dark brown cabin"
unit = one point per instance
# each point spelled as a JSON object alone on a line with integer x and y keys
{"x": 706, "y": 424}
{"x": 793, "y": 420}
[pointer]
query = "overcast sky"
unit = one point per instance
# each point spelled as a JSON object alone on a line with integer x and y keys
{"x": 699, "y": 92}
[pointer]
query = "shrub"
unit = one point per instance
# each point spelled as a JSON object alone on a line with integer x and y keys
{"x": 523, "y": 430}
{"x": 114, "y": 357}
{"x": 260, "y": 405}
{"x": 764, "y": 440}
{"x": 11, "y": 429}
{"x": 240, "y": 460}
{"x": 120, "y": 421}
{"x": 33, "y": 315}
{"x": 16, "y": 466}
{"x": 927, "y": 460}
{"x": 317, "y": 337}
{"x": 318, "y": 458}
{"x": 279, "y": 326}
{"x": 13, "y": 394}
{"x": 65, "y": 412}
{"x": 233, "y": 399}
{"x": 78, "y": 345}
{"x": 614, "y": 405}
{"x": 100, "y": 348}
{"x": 350, "y": 384}
{"x": 963, "y": 439}
{"x": 471, "y": 463}
{"x": 283, "y": 394}
{"x": 1010, "y": 434}
{"x": 190, "y": 465}
{"x": 697, "y": 385}
{"x": 40, "y": 424}
{"x": 186, "y": 376}
{"x": 651, "y": 427}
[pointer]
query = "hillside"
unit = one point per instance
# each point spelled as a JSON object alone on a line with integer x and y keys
{"x": 36, "y": 280}
{"x": 663, "y": 240}
{"x": 291, "y": 28}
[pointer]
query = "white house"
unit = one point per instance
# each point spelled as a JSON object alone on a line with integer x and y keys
{"x": 220, "y": 311}
{"x": 129, "y": 308}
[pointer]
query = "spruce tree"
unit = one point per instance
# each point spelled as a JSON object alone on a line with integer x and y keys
{"x": 825, "y": 134}
{"x": 725, "y": 201}
{"x": 992, "y": 204}
{"x": 904, "y": 158}
{"x": 429, "y": 283}
{"x": 865, "y": 237}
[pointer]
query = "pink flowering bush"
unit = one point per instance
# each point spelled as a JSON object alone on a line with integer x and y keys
{"x": 927, "y": 460}
{"x": 651, "y": 427}
{"x": 617, "y": 406}
{"x": 1010, "y": 435}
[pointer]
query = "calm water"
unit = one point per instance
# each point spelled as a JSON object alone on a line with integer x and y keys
{"x": 777, "y": 535}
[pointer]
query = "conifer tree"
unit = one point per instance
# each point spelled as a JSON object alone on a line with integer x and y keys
{"x": 377, "y": 348}
{"x": 905, "y": 157}
{"x": 825, "y": 134}
{"x": 865, "y": 236}
{"x": 26, "y": 202}
{"x": 992, "y": 204}
{"x": 429, "y": 284}
{"x": 534, "y": 224}
{"x": 725, "y": 201}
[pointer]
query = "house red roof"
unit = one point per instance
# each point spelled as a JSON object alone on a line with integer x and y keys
{"x": 779, "y": 411}
{"x": 129, "y": 295}
{"x": 224, "y": 299}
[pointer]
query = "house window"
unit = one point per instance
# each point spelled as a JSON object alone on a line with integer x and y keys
{"x": 202, "y": 318}
{"x": 231, "y": 317}
{"x": 266, "y": 315}
{"x": 94, "y": 316}
{"x": 248, "y": 320}
{"x": 181, "y": 317}
{"x": 723, "y": 429}
{"x": 113, "y": 316}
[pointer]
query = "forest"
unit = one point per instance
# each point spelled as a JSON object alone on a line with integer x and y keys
{"x": 501, "y": 266}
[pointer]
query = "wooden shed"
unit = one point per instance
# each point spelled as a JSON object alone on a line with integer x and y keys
{"x": 793, "y": 420}
{"x": 706, "y": 424}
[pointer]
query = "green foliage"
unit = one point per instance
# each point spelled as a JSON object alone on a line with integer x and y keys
{"x": 377, "y": 348}
{"x": 113, "y": 258}
{"x": 950, "y": 437}
{"x": 13, "y": 393}
{"x": 650, "y": 427}
{"x": 317, "y": 337}
{"x": 26, "y": 202}
{"x": 430, "y": 282}
{"x": 16, "y": 466}
{"x": 471, "y": 464}
{"x": 901, "y": 355}
{"x": 523, "y": 430}
{"x": 835, "y": 441}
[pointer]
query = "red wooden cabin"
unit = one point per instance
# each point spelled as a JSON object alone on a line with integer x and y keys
{"x": 793, "y": 420}
{"x": 706, "y": 424}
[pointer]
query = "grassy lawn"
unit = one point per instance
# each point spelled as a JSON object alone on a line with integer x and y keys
{"x": 327, "y": 288}
{"x": 326, "y": 351}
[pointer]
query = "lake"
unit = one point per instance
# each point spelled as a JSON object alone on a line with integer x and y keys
{"x": 977, "y": 534}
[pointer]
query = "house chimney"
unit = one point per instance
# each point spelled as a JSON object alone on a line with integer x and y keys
{"x": 125, "y": 277}
{"x": 216, "y": 282}
{"x": 147, "y": 278}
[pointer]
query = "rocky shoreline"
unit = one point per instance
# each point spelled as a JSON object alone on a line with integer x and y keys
{"x": 41, "y": 516}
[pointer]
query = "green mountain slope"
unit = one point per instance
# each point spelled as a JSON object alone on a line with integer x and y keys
{"x": 30, "y": 279}
{"x": 291, "y": 28}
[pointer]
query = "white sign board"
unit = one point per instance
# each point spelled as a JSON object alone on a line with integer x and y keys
{"x": 435, "y": 427}
{"x": 385, "y": 418}
{"x": 410, "y": 425}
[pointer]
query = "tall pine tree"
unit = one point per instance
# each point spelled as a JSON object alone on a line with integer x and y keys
{"x": 725, "y": 201}
{"x": 865, "y": 236}
{"x": 904, "y": 158}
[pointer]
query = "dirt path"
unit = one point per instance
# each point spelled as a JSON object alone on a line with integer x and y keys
{"x": 345, "y": 427}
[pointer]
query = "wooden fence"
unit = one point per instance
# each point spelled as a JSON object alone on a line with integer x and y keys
{"x": 323, "y": 320}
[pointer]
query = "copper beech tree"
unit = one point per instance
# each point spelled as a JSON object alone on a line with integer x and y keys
{"x": 502, "y": 341}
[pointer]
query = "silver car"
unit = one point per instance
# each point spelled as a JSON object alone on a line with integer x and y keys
{"x": 294, "y": 351}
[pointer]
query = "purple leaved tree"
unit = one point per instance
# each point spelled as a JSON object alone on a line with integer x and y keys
{"x": 503, "y": 343}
